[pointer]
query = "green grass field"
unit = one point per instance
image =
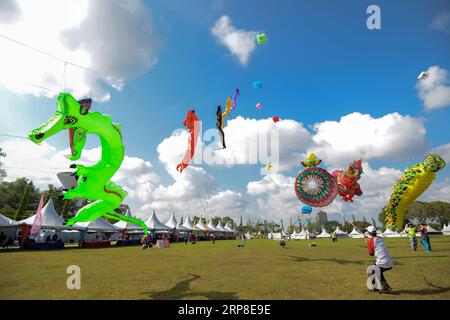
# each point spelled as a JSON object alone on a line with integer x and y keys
{"x": 261, "y": 270}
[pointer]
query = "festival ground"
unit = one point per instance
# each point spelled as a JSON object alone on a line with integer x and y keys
{"x": 261, "y": 270}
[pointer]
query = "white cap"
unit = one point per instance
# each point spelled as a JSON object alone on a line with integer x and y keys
{"x": 371, "y": 229}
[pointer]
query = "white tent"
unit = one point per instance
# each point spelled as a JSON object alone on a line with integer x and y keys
{"x": 98, "y": 224}
{"x": 388, "y": 233}
{"x": 276, "y": 236}
{"x": 172, "y": 223}
{"x": 248, "y": 236}
{"x": 7, "y": 222}
{"x": 128, "y": 225}
{"x": 182, "y": 228}
{"x": 432, "y": 230}
{"x": 219, "y": 227}
{"x": 50, "y": 218}
{"x": 446, "y": 230}
{"x": 303, "y": 235}
{"x": 355, "y": 234}
{"x": 339, "y": 232}
{"x": 153, "y": 223}
{"x": 228, "y": 228}
{"x": 324, "y": 234}
{"x": 200, "y": 226}
{"x": 188, "y": 224}
{"x": 211, "y": 227}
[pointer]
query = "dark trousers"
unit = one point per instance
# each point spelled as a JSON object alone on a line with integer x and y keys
{"x": 383, "y": 279}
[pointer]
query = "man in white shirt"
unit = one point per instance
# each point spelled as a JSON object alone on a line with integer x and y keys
{"x": 377, "y": 248}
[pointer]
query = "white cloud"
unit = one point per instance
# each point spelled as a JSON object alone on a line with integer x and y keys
{"x": 444, "y": 152}
{"x": 441, "y": 21}
{"x": 359, "y": 135}
{"x": 239, "y": 42}
{"x": 37, "y": 162}
{"x": 434, "y": 91}
{"x": 246, "y": 137}
{"x": 438, "y": 191}
{"x": 115, "y": 39}
{"x": 249, "y": 141}
{"x": 9, "y": 10}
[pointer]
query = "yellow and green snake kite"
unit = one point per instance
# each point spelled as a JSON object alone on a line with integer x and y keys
{"x": 94, "y": 181}
{"x": 414, "y": 181}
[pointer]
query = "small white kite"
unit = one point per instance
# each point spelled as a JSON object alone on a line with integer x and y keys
{"x": 423, "y": 75}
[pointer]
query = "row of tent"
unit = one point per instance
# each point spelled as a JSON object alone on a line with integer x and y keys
{"x": 305, "y": 234}
{"x": 52, "y": 220}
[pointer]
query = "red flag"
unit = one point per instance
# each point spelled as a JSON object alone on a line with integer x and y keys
{"x": 36, "y": 228}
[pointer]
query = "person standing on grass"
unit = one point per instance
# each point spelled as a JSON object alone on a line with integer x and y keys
{"x": 148, "y": 242}
{"x": 424, "y": 238}
{"x": 377, "y": 248}
{"x": 411, "y": 230}
{"x": 334, "y": 236}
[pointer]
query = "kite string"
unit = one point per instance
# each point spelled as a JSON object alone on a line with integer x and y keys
{"x": 13, "y": 136}
{"x": 342, "y": 213}
{"x": 64, "y": 78}
{"x": 51, "y": 55}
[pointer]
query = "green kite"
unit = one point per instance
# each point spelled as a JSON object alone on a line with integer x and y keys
{"x": 94, "y": 181}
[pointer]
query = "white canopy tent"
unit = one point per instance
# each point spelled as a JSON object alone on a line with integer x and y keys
{"x": 188, "y": 224}
{"x": 154, "y": 224}
{"x": 276, "y": 236}
{"x": 446, "y": 230}
{"x": 340, "y": 233}
{"x": 181, "y": 228}
{"x": 304, "y": 234}
{"x": 324, "y": 234}
{"x": 432, "y": 230}
{"x": 228, "y": 228}
{"x": 248, "y": 236}
{"x": 211, "y": 227}
{"x": 98, "y": 225}
{"x": 355, "y": 234}
{"x": 50, "y": 218}
{"x": 7, "y": 222}
{"x": 219, "y": 227}
{"x": 388, "y": 233}
{"x": 200, "y": 226}
{"x": 172, "y": 223}
{"x": 129, "y": 226}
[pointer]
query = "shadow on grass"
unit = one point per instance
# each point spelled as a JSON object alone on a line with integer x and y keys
{"x": 420, "y": 257}
{"x": 182, "y": 290}
{"x": 338, "y": 261}
{"x": 432, "y": 289}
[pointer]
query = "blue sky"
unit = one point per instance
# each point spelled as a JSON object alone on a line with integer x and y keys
{"x": 320, "y": 63}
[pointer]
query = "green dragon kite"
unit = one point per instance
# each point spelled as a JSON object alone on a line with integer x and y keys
{"x": 94, "y": 181}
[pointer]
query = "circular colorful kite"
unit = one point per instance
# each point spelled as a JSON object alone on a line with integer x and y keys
{"x": 315, "y": 186}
